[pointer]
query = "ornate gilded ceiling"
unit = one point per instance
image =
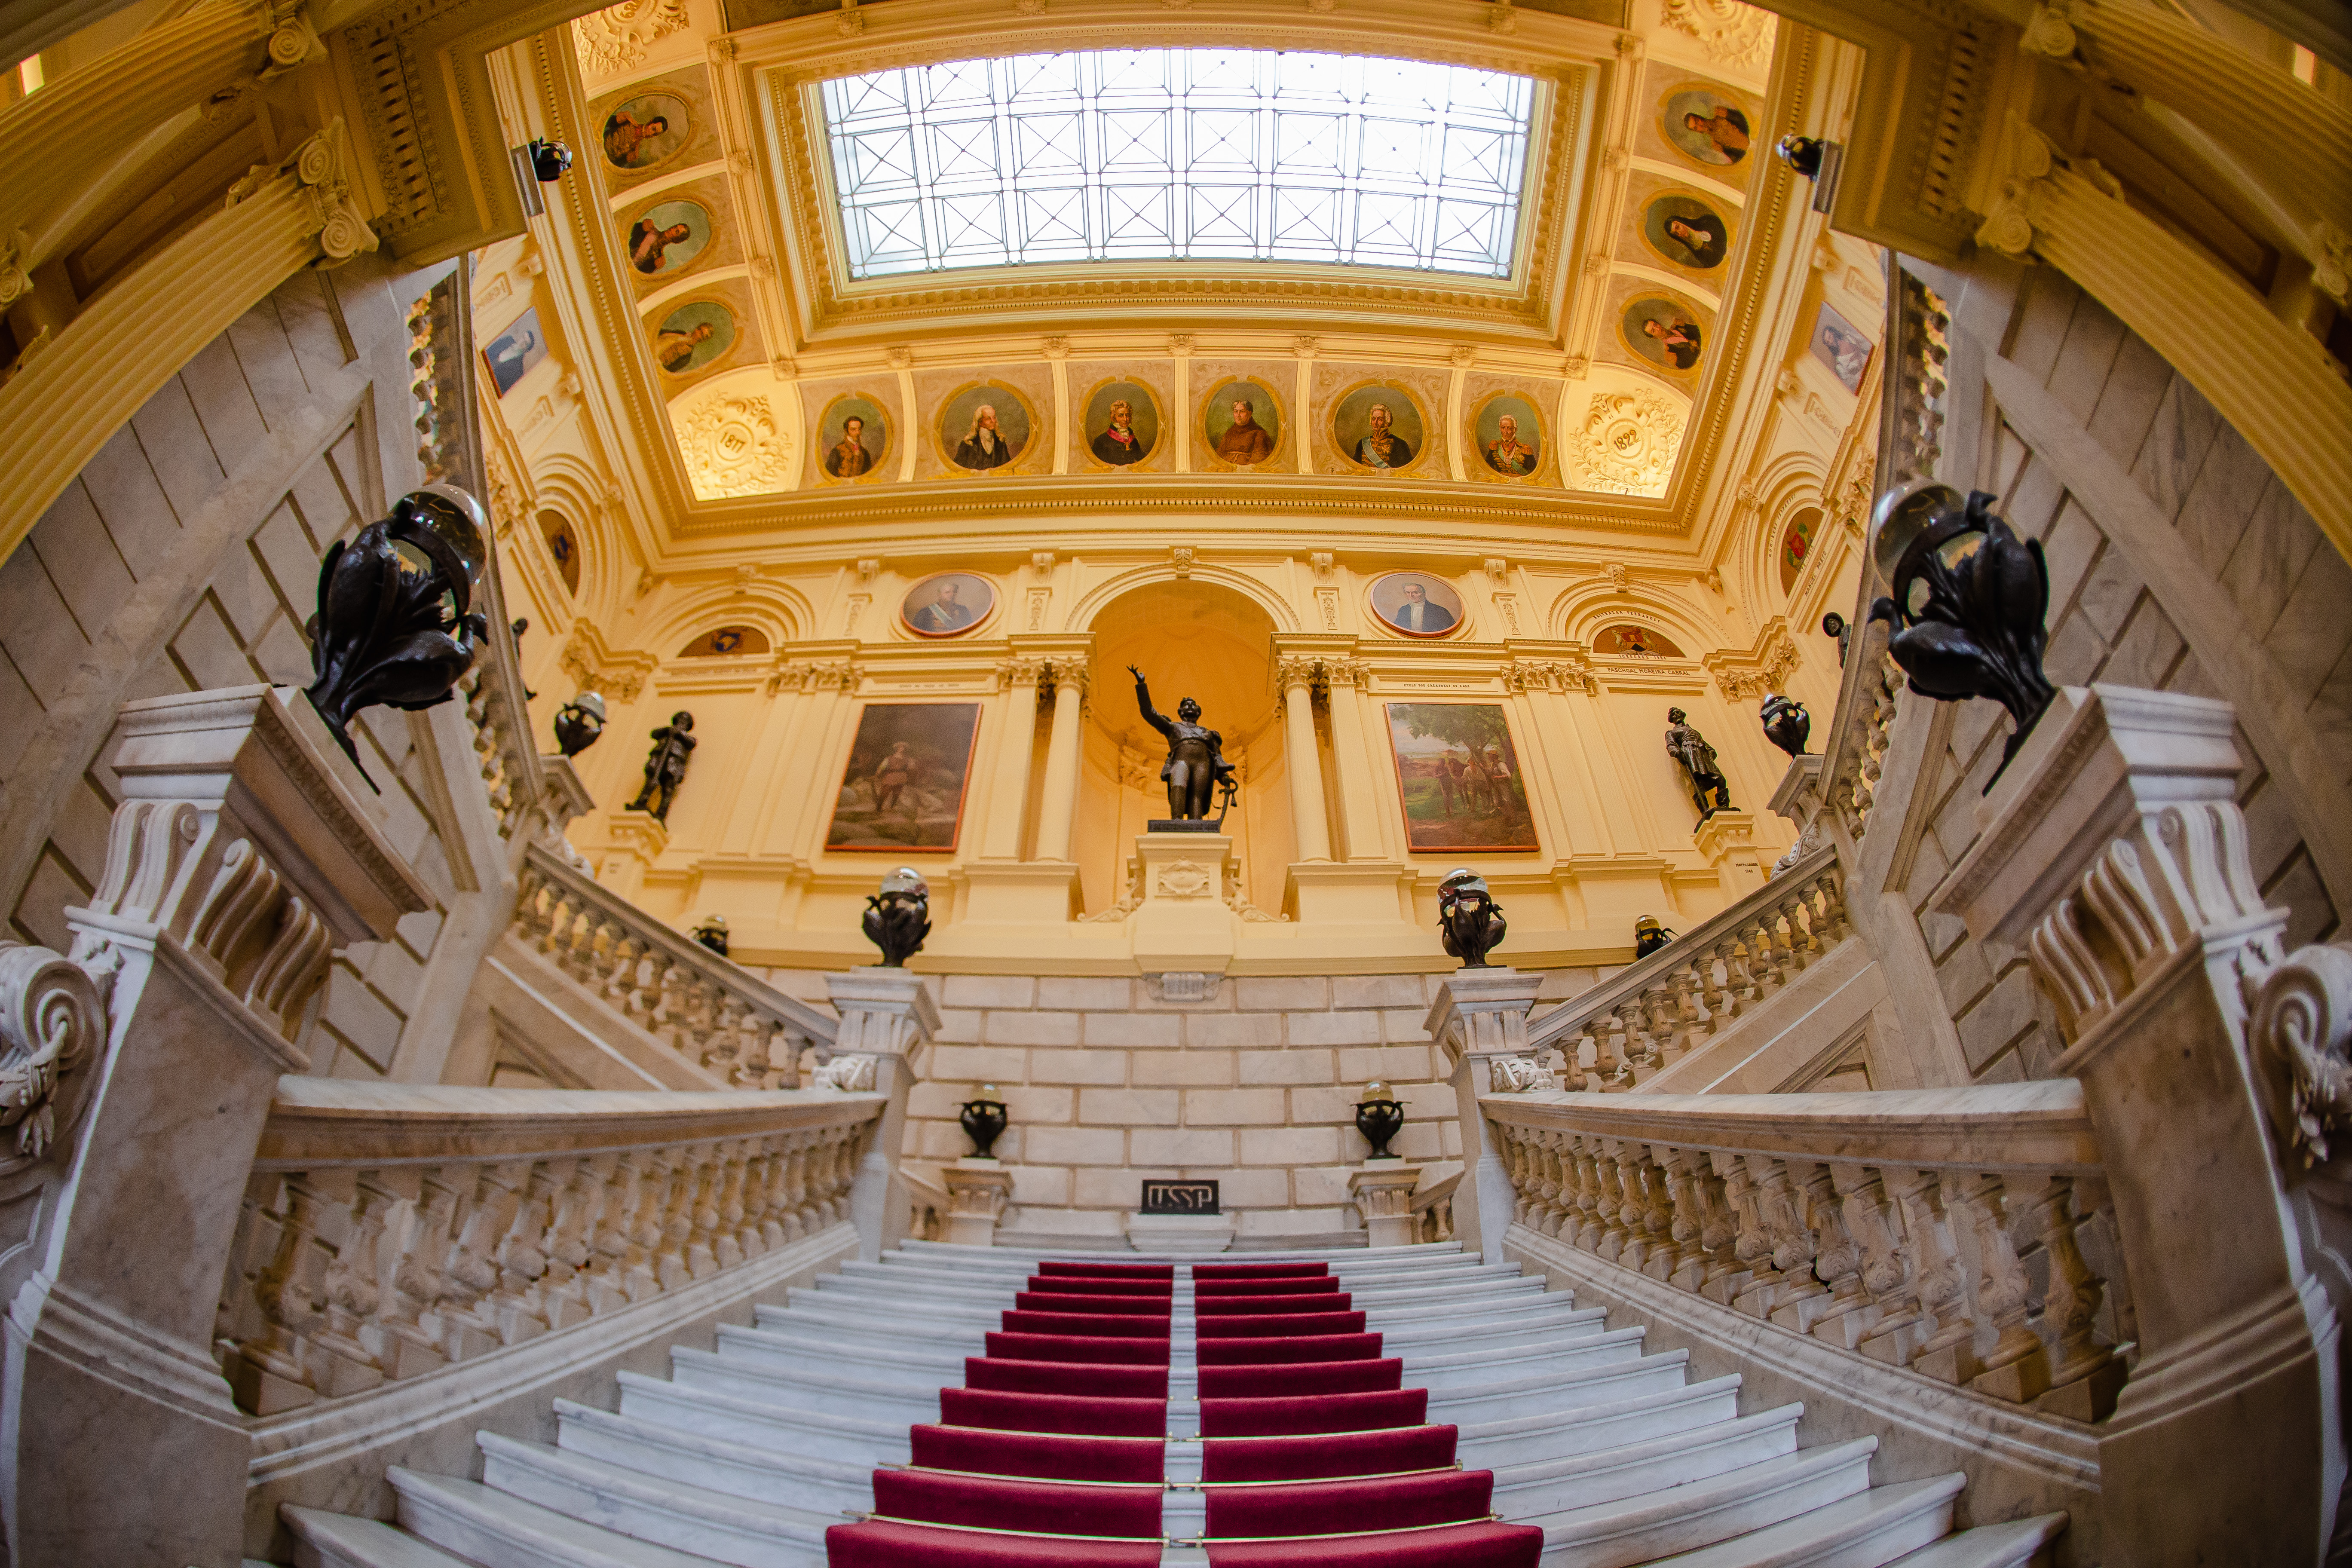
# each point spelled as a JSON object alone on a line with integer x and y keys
{"x": 697, "y": 250}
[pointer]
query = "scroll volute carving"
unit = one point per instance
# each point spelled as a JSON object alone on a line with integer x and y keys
{"x": 2301, "y": 1032}
{"x": 52, "y": 1023}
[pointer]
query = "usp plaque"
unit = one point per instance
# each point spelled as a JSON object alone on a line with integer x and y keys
{"x": 1180, "y": 1197}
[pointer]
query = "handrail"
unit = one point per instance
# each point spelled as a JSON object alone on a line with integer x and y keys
{"x": 564, "y": 913}
{"x": 2036, "y": 1126}
{"x": 1698, "y": 983}
{"x": 318, "y": 1123}
{"x": 1887, "y": 1224}
{"x": 394, "y": 1229}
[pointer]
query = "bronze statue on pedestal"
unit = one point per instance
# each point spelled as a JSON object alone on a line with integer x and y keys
{"x": 1196, "y": 764}
{"x": 1710, "y": 790}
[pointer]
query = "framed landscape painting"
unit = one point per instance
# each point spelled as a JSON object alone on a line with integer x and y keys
{"x": 902, "y": 788}
{"x": 1460, "y": 777}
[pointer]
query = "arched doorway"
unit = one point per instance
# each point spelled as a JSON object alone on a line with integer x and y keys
{"x": 1192, "y": 639}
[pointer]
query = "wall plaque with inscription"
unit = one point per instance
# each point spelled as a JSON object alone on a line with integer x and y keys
{"x": 1180, "y": 1197}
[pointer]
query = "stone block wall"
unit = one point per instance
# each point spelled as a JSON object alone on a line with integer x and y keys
{"x": 186, "y": 556}
{"x": 2218, "y": 544}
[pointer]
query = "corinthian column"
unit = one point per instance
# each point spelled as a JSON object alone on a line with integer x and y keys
{"x": 1053, "y": 813}
{"x": 1009, "y": 800}
{"x": 1359, "y": 821}
{"x": 1305, "y": 759}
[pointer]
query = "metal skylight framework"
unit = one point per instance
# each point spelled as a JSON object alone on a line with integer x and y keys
{"x": 1189, "y": 155}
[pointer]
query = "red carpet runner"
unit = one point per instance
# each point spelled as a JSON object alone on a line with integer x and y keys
{"x": 1311, "y": 1452}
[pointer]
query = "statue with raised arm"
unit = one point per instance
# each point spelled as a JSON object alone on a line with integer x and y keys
{"x": 1196, "y": 764}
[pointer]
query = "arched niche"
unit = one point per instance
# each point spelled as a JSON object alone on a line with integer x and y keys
{"x": 1794, "y": 546}
{"x": 562, "y": 547}
{"x": 1190, "y": 639}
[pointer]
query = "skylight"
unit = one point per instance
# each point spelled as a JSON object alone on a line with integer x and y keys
{"x": 1186, "y": 155}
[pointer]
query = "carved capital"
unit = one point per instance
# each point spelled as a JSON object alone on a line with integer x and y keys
{"x": 2050, "y": 31}
{"x": 2026, "y": 160}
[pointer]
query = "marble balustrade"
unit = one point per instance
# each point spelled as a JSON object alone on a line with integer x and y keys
{"x": 1659, "y": 1009}
{"x": 391, "y": 1230}
{"x": 1892, "y": 1226}
{"x": 709, "y": 1011}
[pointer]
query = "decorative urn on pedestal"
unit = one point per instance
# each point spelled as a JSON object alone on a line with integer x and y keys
{"x": 899, "y": 918}
{"x": 1787, "y": 723}
{"x": 984, "y": 1118}
{"x": 579, "y": 723}
{"x": 1469, "y": 920}
{"x": 712, "y": 933}
{"x": 1380, "y": 1117}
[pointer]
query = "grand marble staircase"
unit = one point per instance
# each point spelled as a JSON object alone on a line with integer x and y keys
{"x": 750, "y": 1449}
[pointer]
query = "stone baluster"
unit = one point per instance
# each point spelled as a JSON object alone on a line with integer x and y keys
{"x": 1764, "y": 969}
{"x": 607, "y": 1281}
{"x": 1782, "y": 1206}
{"x": 521, "y": 1256}
{"x": 702, "y": 1257}
{"x": 469, "y": 1273}
{"x": 1831, "y": 899}
{"x": 1663, "y": 1255}
{"x": 1738, "y": 985}
{"x": 2016, "y": 1368}
{"x": 2086, "y": 1376}
{"x": 1625, "y": 1171}
{"x": 1724, "y": 1277}
{"x": 1590, "y": 1221}
{"x": 564, "y": 1296}
{"x": 1804, "y": 937}
{"x": 352, "y": 1290}
{"x": 1680, "y": 1166}
{"x": 402, "y": 1343}
{"x": 1518, "y": 1169}
{"x": 1887, "y": 1265}
{"x": 1753, "y": 1246}
{"x": 269, "y": 1372}
{"x": 674, "y": 1225}
{"x": 1837, "y": 1259}
{"x": 1565, "y": 1210}
{"x": 731, "y": 1243}
{"x": 1947, "y": 1353}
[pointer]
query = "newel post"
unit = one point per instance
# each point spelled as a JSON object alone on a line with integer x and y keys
{"x": 2113, "y": 853}
{"x": 246, "y": 851}
{"x": 1480, "y": 1014}
{"x": 886, "y": 1015}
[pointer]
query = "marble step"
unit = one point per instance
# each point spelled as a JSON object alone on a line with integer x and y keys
{"x": 893, "y": 1306}
{"x": 873, "y": 1329}
{"x": 762, "y": 1422}
{"x": 1675, "y": 1459}
{"x": 661, "y": 1452}
{"x": 804, "y": 1387}
{"x": 1514, "y": 1365}
{"x": 1682, "y": 1519}
{"x": 2010, "y": 1545}
{"x": 1563, "y": 1394}
{"x": 1869, "y": 1530}
{"x": 672, "y": 1514}
{"x": 1403, "y": 1335}
{"x": 1351, "y": 1257}
{"x": 1597, "y": 1428}
{"x": 1369, "y": 1297}
{"x": 910, "y": 1366}
{"x": 338, "y": 1541}
{"x": 865, "y": 1286}
{"x": 1424, "y": 1323}
{"x": 493, "y": 1529}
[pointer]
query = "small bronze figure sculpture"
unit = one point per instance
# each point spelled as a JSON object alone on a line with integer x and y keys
{"x": 1380, "y": 1117}
{"x": 1787, "y": 723}
{"x": 899, "y": 918}
{"x": 1709, "y": 789}
{"x": 712, "y": 933}
{"x": 579, "y": 722}
{"x": 984, "y": 1118}
{"x": 1469, "y": 921}
{"x": 674, "y": 745}
{"x": 1969, "y": 598}
{"x": 1833, "y": 626}
{"x": 1196, "y": 764}
{"x": 380, "y": 635}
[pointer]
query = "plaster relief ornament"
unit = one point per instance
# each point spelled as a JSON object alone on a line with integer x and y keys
{"x": 1727, "y": 32}
{"x": 734, "y": 447}
{"x": 1195, "y": 767}
{"x": 899, "y": 918}
{"x": 1629, "y": 442}
{"x": 612, "y": 40}
{"x": 1710, "y": 790}
{"x": 674, "y": 744}
{"x": 1966, "y": 618}
{"x": 394, "y": 626}
{"x": 1469, "y": 921}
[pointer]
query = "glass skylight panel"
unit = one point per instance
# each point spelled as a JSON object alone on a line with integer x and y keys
{"x": 1185, "y": 154}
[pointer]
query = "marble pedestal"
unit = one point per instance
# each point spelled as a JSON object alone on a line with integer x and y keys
{"x": 978, "y": 1190}
{"x": 638, "y": 839}
{"x": 884, "y": 1013}
{"x": 1183, "y": 922}
{"x": 1479, "y": 1014}
{"x": 1383, "y": 1193}
{"x": 1727, "y": 841}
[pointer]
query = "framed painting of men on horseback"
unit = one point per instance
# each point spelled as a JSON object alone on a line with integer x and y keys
{"x": 1460, "y": 779}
